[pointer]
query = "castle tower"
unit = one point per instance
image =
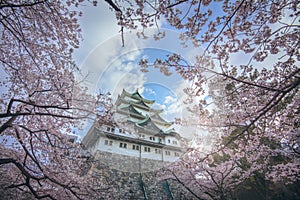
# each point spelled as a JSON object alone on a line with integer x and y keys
{"x": 138, "y": 130}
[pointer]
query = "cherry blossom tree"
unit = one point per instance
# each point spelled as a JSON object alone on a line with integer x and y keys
{"x": 41, "y": 103}
{"x": 250, "y": 63}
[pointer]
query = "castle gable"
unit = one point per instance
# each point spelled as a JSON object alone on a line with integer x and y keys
{"x": 148, "y": 124}
{"x": 158, "y": 119}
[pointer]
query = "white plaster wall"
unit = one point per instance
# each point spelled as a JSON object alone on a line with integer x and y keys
{"x": 115, "y": 148}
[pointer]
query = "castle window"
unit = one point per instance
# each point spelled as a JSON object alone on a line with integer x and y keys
{"x": 110, "y": 129}
{"x": 123, "y": 145}
{"x": 169, "y": 141}
{"x": 121, "y": 130}
{"x": 168, "y": 153}
{"x": 135, "y": 147}
{"x": 176, "y": 154}
{"x": 108, "y": 142}
{"x": 174, "y": 142}
{"x": 72, "y": 140}
{"x": 152, "y": 138}
{"x": 147, "y": 149}
{"x": 158, "y": 151}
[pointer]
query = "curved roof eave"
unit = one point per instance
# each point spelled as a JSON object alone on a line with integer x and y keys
{"x": 137, "y": 95}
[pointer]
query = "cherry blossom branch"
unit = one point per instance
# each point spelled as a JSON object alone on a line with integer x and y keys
{"x": 27, "y": 175}
{"x": 184, "y": 185}
{"x": 117, "y": 10}
{"x": 5, "y": 115}
{"x": 222, "y": 74}
{"x": 34, "y": 105}
{"x": 271, "y": 104}
{"x": 27, "y": 153}
{"x": 11, "y": 5}
{"x": 223, "y": 28}
{"x": 48, "y": 135}
{"x": 250, "y": 83}
{"x": 7, "y": 124}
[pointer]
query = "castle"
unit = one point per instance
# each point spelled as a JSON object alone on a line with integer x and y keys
{"x": 134, "y": 147}
{"x": 138, "y": 130}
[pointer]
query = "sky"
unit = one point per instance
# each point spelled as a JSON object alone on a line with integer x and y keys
{"x": 108, "y": 66}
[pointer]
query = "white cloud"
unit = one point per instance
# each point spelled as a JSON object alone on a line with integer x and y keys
{"x": 174, "y": 108}
{"x": 145, "y": 57}
{"x": 129, "y": 82}
{"x": 169, "y": 99}
{"x": 159, "y": 106}
{"x": 108, "y": 64}
{"x": 149, "y": 91}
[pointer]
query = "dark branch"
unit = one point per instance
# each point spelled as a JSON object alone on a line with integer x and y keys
{"x": 11, "y": 5}
{"x": 113, "y": 5}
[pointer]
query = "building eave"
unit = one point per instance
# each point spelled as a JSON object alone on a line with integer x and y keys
{"x": 136, "y": 95}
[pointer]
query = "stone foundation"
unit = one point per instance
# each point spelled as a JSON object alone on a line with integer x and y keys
{"x": 128, "y": 163}
{"x": 131, "y": 184}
